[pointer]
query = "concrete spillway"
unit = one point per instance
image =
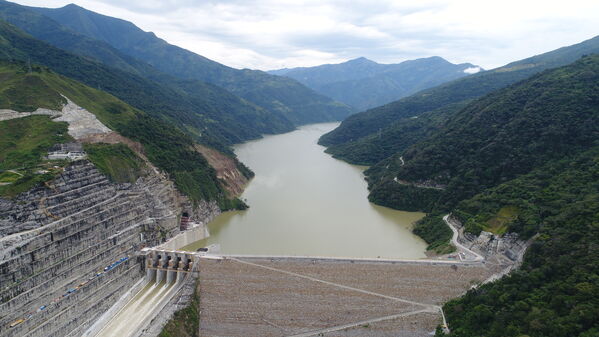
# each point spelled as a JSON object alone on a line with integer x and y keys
{"x": 166, "y": 273}
{"x": 131, "y": 318}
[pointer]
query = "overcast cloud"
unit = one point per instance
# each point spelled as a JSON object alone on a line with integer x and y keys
{"x": 271, "y": 34}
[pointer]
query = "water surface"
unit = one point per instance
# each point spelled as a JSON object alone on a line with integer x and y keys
{"x": 304, "y": 202}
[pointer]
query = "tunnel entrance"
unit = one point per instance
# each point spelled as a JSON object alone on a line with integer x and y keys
{"x": 185, "y": 220}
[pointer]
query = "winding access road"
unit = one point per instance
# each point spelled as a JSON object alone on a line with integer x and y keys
{"x": 469, "y": 255}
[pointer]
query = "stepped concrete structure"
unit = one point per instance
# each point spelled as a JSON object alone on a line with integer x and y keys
{"x": 169, "y": 266}
{"x": 70, "y": 249}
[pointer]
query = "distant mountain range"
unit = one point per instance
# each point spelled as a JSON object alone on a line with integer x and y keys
{"x": 280, "y": 95}
{"x": 363, "y": 84}
{"x": 211, "y": 102}
{"x": 371, "y": 136}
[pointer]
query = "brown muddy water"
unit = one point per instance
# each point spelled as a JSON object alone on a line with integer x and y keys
{"x": 305, "y": 202}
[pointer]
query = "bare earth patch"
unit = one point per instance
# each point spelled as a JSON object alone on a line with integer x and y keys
{"x": 226, "y": 170}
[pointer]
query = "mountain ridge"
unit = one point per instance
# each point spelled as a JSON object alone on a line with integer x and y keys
{"x": 371, "y": 136}
{"x": 363, "y": 83}
{"x": 280, "y": 95}
{"x": 193, "y": 104}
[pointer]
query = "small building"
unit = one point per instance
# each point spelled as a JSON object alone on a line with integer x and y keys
{"x": 67, "y": 151}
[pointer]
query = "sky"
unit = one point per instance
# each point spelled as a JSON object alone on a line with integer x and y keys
{"x": 273, "y": 34}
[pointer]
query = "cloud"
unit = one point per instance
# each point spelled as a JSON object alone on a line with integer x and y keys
{"x": 472, "y": 70}
{"x": 271, "y": 34}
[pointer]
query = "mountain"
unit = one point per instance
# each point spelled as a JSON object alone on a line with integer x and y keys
{"x": 523, "y": 160}
{"x": 27, "y": 87}
{"x": 363, "y": 84}
{"x": 549, "y": 117}
{"x": 371, "y": 136}
{"x": 280, "y": 95}
{"x": 554, "y": 292}
{"x": 202, "y": 110}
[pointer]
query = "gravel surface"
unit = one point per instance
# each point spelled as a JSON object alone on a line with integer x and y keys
{"x": 409, "y": 326}
{"x": 269, "y": 297}
{"x": 431, "y": 284}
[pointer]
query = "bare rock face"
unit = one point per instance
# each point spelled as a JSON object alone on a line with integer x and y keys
{"x": 68, "y": 249}
{"x": 82, "y": 123}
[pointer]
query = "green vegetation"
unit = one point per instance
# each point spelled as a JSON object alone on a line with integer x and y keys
{"x": 29, "y": 180}
{"x": 280, "y": 96}
{"x": 207, "y": 113}
{"x": 24, "y": 141}
{"x": 172, "y": 151}
{"x": 185, "y": 322}
{"x": 551, "y": 116}
{"x": 172, "y": 87}
{"x": 556, "y": 291}
{"x": 165, "y": 146}
{"x": 396, "y": 138}
{"x": 23, "y": 144}
{"x": 371, "y": 136}
{"x": 26, "y": 93}
{"x": 117, "y": 161}
{"x": 524, "y": 159}
{"x": 435, "y": 232}
{"x": 9, "y": 177}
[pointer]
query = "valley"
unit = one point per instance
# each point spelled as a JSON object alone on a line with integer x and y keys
{"x": 303, "y": 202}
{"x": 147, "y": 188}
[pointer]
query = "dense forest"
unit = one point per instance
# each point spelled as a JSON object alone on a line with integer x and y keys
{"x": 556, "y": 291}
{"x": 495, "y": 139}
{"x": 523, "y": 159}
{"x": 374, "y": 135}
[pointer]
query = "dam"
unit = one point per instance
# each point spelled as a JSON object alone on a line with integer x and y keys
{"x": 110, "y": 259}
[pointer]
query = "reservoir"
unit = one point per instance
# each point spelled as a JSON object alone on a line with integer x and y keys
{"x": 304, "y": 202}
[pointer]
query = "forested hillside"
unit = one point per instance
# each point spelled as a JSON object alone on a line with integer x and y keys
{"x": 283, "y": 96}
{"x": 371, "y": 136}
{"x": 525, "y": 160}
{"x": 206, "y": 112}
{"x": 363, "y": 84}
{"x": 26, "y": 87}
{"x": 556, "y": 291}
{"x": 495, "y": 139}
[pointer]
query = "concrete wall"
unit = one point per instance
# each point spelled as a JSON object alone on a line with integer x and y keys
{"x": 186, "y": 238}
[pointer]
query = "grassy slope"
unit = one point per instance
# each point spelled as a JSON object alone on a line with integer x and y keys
{"x": 165, "y": 146}
{"x": 117, "y": 161}
{"x": 23, "y": 143}
{"x": 197, "y": 107}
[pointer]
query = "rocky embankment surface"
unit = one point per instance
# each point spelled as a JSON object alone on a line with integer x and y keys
{"x": 68, "y": 249}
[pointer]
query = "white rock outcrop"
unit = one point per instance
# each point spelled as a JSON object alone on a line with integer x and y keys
{"x": 82, "y": 123}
